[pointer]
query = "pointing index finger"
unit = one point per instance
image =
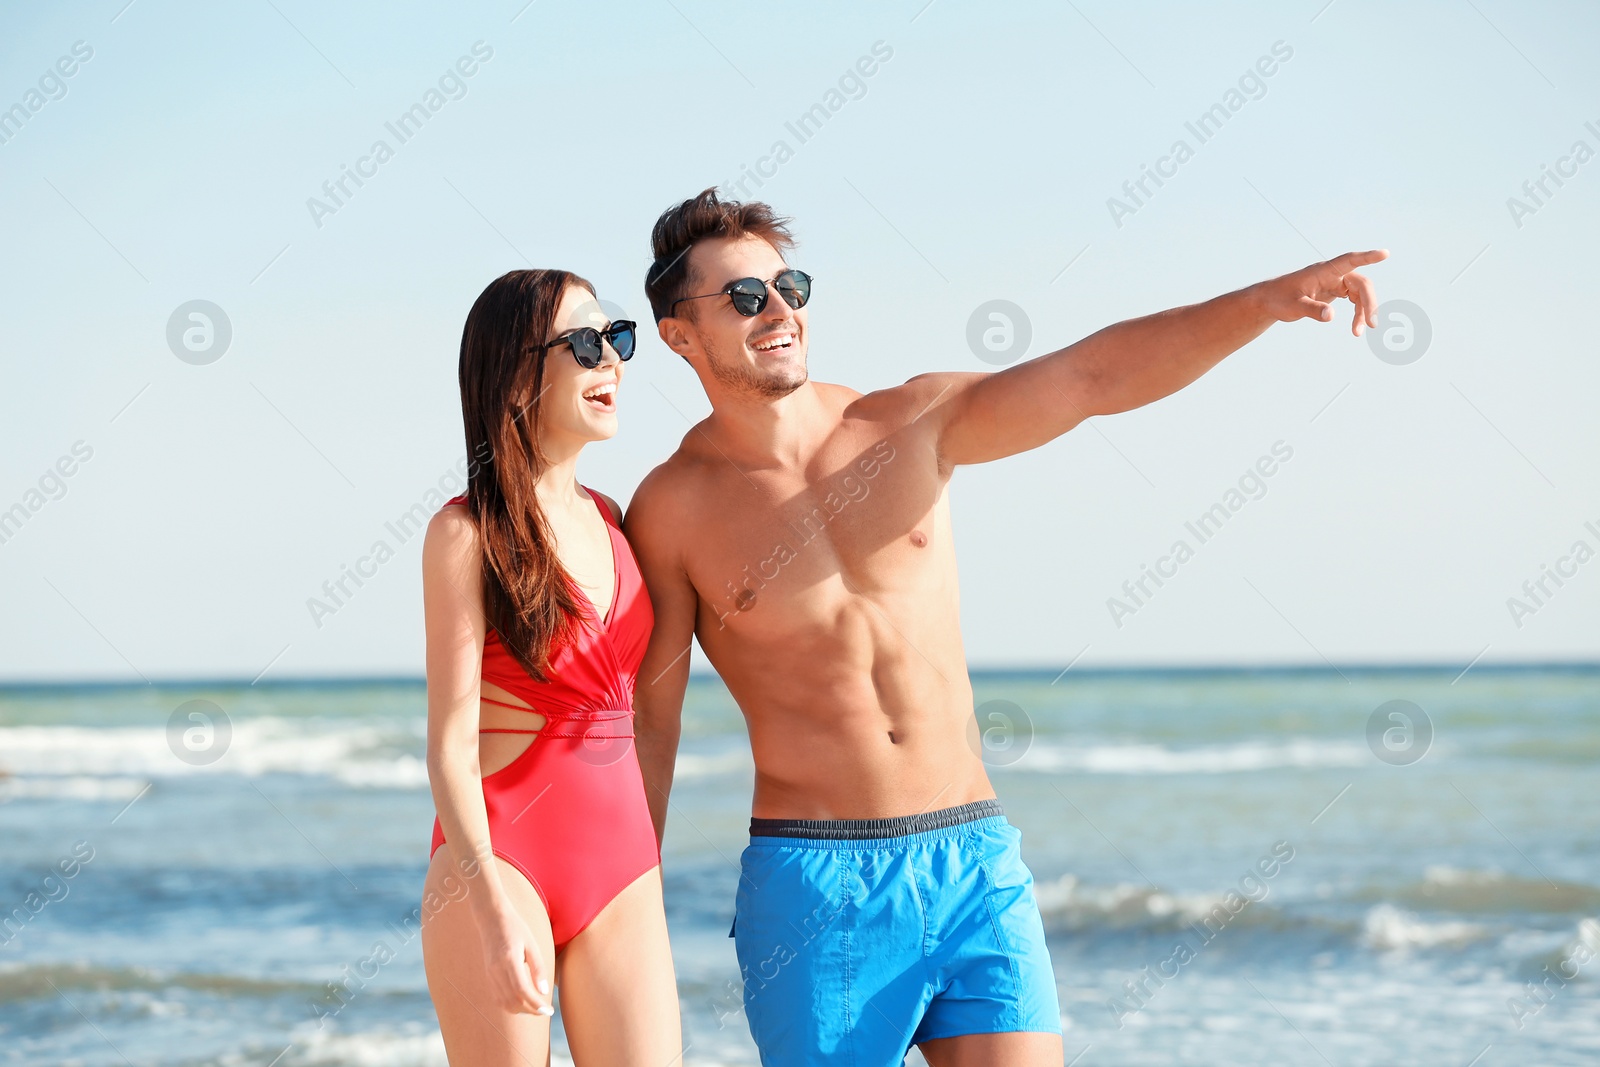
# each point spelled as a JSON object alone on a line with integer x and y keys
{"x": 1351, "y": 260}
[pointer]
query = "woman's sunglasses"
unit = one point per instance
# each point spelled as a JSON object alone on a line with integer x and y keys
{"x": 749, "y": 295}
{"x": 586, "y": 342}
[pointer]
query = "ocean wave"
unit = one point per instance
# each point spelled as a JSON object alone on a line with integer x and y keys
{"x": 363, "y": 755}
{"x": 359, "y": 754}
{"x": 712, "y": 764}
{"x": 70, "y": 787}
{"x": 371, "y": 1048}
{"x": 1139, "y": 758}
{"x": 1388, "y": 928}
{"x": 1453, "y": 889}
{"x": 409, "y": 1047}
{"x": 111, "y": 763}
{"x": 1073, "y": 907}
{"x": 1576, "y": 957}
{"x": 28, "y": 981}
{"x": 412, "y": 1046}
{"x": 1069, "y": 905}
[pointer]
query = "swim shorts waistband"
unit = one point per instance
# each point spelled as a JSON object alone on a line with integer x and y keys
{"x": 874, "y": 829}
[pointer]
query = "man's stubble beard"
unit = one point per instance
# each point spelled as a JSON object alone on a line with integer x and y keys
{"x": 743, "y": 378}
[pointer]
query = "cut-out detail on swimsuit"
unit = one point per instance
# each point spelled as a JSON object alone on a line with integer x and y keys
{"x": 502, "y": 729}
{"x": 569, "y": 811}
{"x": 503, "y": 704}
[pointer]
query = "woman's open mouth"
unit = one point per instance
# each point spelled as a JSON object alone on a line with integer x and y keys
{"x": 602, "y": 397}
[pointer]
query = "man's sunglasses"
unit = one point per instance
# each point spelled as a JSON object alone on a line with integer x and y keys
{"x": 586, "y": 342}
{"x": 749, "y": 295}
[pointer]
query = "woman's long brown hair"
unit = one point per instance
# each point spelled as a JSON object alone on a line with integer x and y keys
{"x": 528, "y": 597}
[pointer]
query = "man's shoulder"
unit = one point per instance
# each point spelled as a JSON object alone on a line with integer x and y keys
{"x": 899, "y": 405}
{"x": 667, "y": 495}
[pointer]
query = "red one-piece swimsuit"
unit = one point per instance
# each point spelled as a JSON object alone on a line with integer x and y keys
{"x": 569, "y": 812}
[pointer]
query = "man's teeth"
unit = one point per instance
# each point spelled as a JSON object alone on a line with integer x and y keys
{"x": 600, "y": 391}
{"x": 782, "y": 340}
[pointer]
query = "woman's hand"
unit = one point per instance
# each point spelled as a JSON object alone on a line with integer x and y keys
{"x": 518, "y": 976}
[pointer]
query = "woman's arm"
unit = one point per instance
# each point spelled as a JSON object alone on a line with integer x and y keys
{"x": 452, "y": 596}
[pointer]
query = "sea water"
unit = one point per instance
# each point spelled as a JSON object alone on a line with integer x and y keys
{"x": 1233, "y": 867}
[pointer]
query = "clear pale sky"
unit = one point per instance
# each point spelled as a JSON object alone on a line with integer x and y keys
{"x": 975, "y": 163}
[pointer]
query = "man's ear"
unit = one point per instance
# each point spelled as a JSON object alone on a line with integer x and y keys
{"x": 675, "y": 336}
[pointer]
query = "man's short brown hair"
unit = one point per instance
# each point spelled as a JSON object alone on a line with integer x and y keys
{"x": 698, "y": 219}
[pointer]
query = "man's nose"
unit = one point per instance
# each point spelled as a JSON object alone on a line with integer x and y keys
{"x": 777, "y": 307}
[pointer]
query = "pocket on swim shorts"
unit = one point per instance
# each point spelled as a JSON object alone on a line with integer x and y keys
{"x": 759, "y": 867}
{"x": 786, "y": 897}
{"x": 1009, "y": 896}
{"x": 1002, "y": 847}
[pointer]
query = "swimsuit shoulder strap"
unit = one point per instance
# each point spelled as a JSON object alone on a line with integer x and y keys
{"x": 605, "y": 509}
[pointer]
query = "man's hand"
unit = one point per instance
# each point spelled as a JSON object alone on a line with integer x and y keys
{"x": 1306, "y": 294}
{"x": 982, "y": 417}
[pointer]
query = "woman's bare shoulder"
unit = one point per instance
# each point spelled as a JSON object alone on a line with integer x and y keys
{"x": 451, "y": 539}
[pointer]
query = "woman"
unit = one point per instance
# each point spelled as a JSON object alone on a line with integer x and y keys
{"x": 545, "y": 870}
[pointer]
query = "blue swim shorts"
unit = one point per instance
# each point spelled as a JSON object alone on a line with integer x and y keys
{"x": 858, "y": 938}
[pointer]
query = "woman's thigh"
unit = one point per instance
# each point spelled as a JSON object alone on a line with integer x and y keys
{"x": 476, "y": 1032}
{"x": 619, "y": 994}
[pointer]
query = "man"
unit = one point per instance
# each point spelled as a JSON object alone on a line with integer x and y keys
{"x": 802, "y": 533}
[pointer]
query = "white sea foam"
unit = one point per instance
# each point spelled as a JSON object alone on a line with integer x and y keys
{"x": 1067, "y": 903}
{"x": 1389, "y": 928}
{"x": 388, "y": 1048}
{"x": 359, "y": 753}
{"x": 1580, "y": 949}
{"x": 71, "y": 787}
{"x": 712, "y": 764}
{"x": 93, "y": 763}
{"x": 368, "y": 755}
{"x": 372, "y": 1048}
{"x": 1135, "y": 758}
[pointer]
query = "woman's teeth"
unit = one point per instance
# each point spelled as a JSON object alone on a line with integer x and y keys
{"x": 601, "y": 395}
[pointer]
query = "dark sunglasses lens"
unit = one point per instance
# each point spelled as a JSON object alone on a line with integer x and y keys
{"x": 749, "y": 296}
{"x": 795, "y": 288}
{"x": 586, "y": 346}
{"x": 621, "y": 335}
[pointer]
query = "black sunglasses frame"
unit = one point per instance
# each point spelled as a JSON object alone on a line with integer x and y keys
{"x": 758, "y": 303}
{"x": 586, "y": 342}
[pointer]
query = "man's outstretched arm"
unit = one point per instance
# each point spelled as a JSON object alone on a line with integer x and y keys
{"x": 1133, "y": 363}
